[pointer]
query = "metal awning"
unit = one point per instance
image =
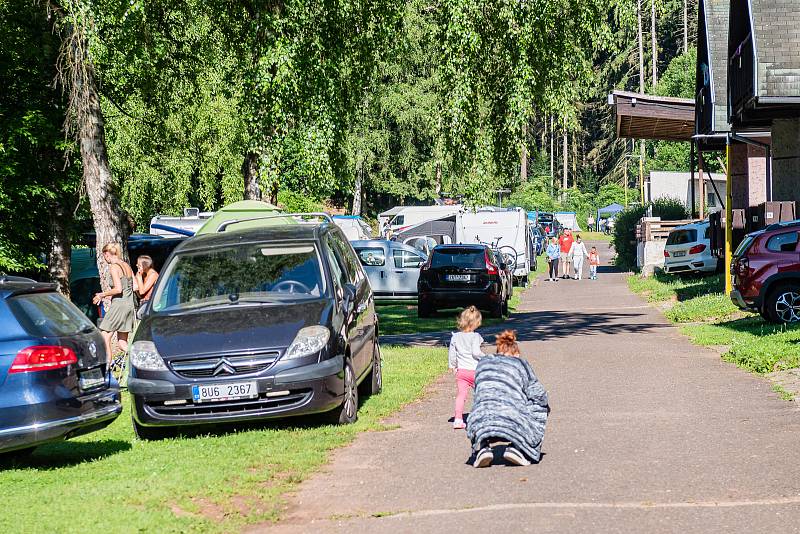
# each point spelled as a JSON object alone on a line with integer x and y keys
{"x": 642, "y": 116}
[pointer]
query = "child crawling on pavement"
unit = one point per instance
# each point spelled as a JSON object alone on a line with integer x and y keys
{"x": 510, "y": 406}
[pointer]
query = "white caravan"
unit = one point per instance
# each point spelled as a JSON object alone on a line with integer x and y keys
{"x": 191, "y": 221}
{"x": 506, "y": 230}
{"x": 413, "y": 215}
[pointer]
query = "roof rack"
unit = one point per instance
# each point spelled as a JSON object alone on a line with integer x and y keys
{"x": 224, "y": 226}
{"x": 5, "y": 279}
{"x": 784, "y": 224}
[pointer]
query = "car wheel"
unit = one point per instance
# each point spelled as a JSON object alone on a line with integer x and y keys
{"x": 424, "y": 310}
{"x": 783, "y": 304}
{"x": 374, "y": 384}
{"x": 497, "y": 310}
{"x": 347, "y": 413}
{"x": 148, "y": 433}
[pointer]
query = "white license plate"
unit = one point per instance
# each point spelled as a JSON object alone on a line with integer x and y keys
{"x": 224, "y": 392}
{"x": 457, "y": 277}
{"x": 679, "y": 254}
{"x": 92, "y": 378}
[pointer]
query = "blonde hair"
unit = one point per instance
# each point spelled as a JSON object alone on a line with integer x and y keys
{"x": 469, "y": 319}
{"x": 146, "y": 261}
{"x": 112, "y": 248}
{"x": 507, "y": 343}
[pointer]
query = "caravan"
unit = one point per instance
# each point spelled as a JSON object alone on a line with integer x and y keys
{"x": 506, "y": 230}
{"x": 413, "y": 215}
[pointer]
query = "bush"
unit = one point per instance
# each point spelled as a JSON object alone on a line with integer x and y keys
{"x": 624, "y": 238}
{"x": 297, "y": 202}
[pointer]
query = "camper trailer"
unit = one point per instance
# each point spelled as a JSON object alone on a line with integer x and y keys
{"x": 414, "y": 215}
{"x": 506, "y": 230}
{"x": 192, "y": 220}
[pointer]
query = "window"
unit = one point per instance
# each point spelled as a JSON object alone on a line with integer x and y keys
{"x": 783, "y": 242}
{"x": 371, "y": 257}
{"x": 349, "y": 262}
{"x": 467, "y": 258}
{"x": 712, "y": 200}
{"x": 682, "y": 237}
{"x": 404, "y": 259}
{"x": 398, "y": 220}
{"x": 337, "y": 271}
{"x": 48, "y": 314}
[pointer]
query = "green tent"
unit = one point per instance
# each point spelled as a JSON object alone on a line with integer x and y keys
{"x": 245, "y": 209}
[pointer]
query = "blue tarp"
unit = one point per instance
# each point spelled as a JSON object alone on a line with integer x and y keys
{"x": 609, "y": 210}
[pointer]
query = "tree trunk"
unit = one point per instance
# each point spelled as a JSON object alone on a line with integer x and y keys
{"x": 685, "y": 26}
{"x": 565, "y": 153}
{"x": 574, "y": 161}
{"x": 438, "y": 177}
{"x": 58, "y": 261}
{"x": 273, "y": 191}
{"x": 654, "y": 35}
{"x": 641, "y": 46}
{"x": 523, "y": 156}
{"x": 358, "y": 187}
{"x": 250, "y": 172}
{"x": 552, "y": 154}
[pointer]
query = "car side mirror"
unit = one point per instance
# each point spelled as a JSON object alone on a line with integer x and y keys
{"x": 349, "y": 297}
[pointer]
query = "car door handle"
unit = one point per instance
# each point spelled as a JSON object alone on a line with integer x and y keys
{"x": 400, "y": 272}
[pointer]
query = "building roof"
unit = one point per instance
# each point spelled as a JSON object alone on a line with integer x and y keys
{"x": 641, "y": 116}
{"x": 777, "y": 43}
{"x": 713, "y": 48}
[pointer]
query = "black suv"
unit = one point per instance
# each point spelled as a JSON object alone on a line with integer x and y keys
{"x": 463, "y": 275}
{"x": 254, "y": 324}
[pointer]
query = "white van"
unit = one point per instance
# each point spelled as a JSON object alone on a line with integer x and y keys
{"x": 413, "y": 215}
{"x": 506, "y": 230}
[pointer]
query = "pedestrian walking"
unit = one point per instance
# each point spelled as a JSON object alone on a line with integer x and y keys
{"x": 565, "y": 242}
{"x": 594, "y": 262}
{"x": 463, "y": 356}
{"x": 553, "y": 252}
{"x": 510, "y": 407}
{"x": 121, "y": 314}
{"x": 145, "y": 279}
{"x": 578, "y": 253}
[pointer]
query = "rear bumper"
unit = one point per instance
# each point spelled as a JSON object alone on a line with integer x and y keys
{"x": 103, "y": 409}
{"x": 691, "y": 265}
{"x": 744, "y": 303}
{"x": 299, "y": 391}
{"x": 484, "y": 299}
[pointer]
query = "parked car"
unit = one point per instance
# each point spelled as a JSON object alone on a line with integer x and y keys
{"x": 54, "y": 383}
{"x": 463, "y": 275}
{"x": 766, "y": 273}
{"x": 392, "y": 268}
{"x": 353, "y": 226}
{"x": 255, "y": 323}
{"x": 688, "y": 250}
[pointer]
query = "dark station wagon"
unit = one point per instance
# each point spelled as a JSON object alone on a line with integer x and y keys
{"x": 256, "y": 323}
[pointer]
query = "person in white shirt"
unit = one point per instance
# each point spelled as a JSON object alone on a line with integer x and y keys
{"x": 463, "y": 356}
{"x": 578, "y": 253}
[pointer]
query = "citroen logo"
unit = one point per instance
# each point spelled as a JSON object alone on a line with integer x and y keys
{"x": 224, "y": 367}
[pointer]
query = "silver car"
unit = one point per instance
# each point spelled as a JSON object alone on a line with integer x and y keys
{"x": 392, "y": 268}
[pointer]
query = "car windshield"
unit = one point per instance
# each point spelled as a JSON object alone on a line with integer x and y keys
{"x": 467, "y": 258}
{"x": 244, "y": 273}
{"x": 682, "y": 237}
{"x": 48, "y": 314}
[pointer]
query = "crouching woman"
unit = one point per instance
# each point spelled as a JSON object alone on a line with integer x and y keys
{"x": 510, "y": 407}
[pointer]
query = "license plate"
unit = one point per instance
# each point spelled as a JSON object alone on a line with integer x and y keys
{"x": 224, "y": 392}
{"x": 457, "y": 277}
{"x": 91, "y": 378}
{"x": 679, "y": 254}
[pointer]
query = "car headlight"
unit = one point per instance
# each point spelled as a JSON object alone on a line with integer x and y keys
{"x": 308, "y": 340}
{"x": 145, "y": 356}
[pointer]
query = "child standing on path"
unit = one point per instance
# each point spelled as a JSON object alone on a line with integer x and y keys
{"x": 463, "y": 356}
{"x": 594, "y": 262}
{"x": 578, "y": 252}
{"x": 553, "y": 255}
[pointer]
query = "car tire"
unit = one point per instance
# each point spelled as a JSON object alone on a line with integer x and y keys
{"x": 497, "y": 310}
{"x": 424, "y": 311}
{"x": 783, "y": 304}
{"x": 373, "y": 384}
{"x": 347, "y": 412}
{"x": 151, "y": 433}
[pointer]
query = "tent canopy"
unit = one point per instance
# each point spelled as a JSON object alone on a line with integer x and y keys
{"x": 611, "y": 209}
{"x": 245, "y": 209}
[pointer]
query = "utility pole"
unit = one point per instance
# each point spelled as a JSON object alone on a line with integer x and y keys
{"x": 654, "y": 38}
{"x": 641, "y": 90}
{"x": 552, "y": 155}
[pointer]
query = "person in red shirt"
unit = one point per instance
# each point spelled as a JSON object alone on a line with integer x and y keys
{"x": 565, "y": 242}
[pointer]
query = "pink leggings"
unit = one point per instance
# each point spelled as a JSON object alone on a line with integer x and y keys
{"x": 464, "y": 381}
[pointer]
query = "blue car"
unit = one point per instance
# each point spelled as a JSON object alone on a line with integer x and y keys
{"x": 54, "y": 383}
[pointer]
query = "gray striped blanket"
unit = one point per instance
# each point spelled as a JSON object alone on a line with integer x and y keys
{"x": 509, "y": 404}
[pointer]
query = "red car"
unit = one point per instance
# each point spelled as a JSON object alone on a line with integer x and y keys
{"x": 766, "y": 273}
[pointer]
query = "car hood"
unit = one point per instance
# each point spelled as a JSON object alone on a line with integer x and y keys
{"x": 239, "y": 329}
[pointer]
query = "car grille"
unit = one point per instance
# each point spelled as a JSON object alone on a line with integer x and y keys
{"x": 262, "y": 403}
{"x": 220, "y": 366}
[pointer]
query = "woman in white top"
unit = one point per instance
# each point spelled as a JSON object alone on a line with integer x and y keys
{"x": 578, "y": 253}
{"x": 463, "y": 356}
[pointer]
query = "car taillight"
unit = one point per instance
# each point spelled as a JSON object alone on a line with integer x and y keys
{"x": 697, "y": 249}
{"x": 743, "y": 266}
{"x": 666, "y": 254}
{"x": 491, "y": 268}
{"x": 42, "y": 358}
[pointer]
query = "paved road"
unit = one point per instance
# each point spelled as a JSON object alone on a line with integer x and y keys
{"x": 648, "y": 433}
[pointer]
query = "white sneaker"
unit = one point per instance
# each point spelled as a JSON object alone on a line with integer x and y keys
{"x": 512, "y": 455}
{"x": 484, "y": 458}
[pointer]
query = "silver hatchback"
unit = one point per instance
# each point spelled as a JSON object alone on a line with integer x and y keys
{"x": 392, "y": 268}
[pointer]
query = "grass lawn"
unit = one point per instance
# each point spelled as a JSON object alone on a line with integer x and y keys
{"x": 594, "y": 236}
{"x": 216, "y": 482}
{"x": 402, "y": 318}
{"x": 709, "y": 318}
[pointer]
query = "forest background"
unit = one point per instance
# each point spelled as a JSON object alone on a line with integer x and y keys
{"x": 113, "y": 111}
